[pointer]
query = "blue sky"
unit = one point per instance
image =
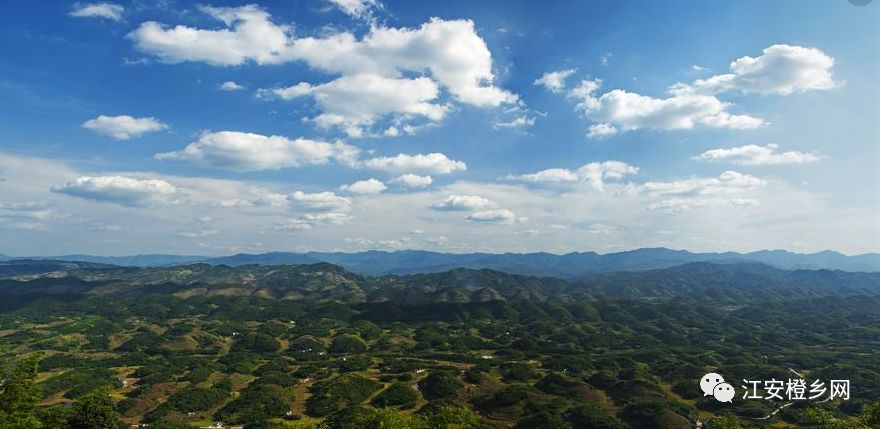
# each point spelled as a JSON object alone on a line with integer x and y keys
{"x": 168, "y": 127}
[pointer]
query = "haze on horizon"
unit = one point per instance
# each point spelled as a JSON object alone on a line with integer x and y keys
{"x": 128, "y": 128}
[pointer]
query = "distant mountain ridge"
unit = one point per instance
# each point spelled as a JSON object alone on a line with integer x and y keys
{"x": 568, "y": 265}
{"x": 721, "y": 284}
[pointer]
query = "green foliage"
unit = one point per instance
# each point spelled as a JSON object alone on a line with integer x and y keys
{"x": 78, "y": 382}
{"x": 257, "y": 404}
{"x": 725, "y": 422}
{"x": 340, "y": 392}
{"x": 19, "y": 395}
{"x": 517, "y": 372}
{"x": 94, "y": 411}
{"x": 593, "y": 417}
{"x": 257, "y": 343}
{"x": 543, "y": 420}
{"x": 440, "y": 385}
{"x": 554, "y": 345}
{"x": 400, "y": 395}
{"x": 348, "y": 344}
{"x": 197, "y": 399}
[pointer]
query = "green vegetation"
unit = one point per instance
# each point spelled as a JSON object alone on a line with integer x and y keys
{"x": 318, "y": 347}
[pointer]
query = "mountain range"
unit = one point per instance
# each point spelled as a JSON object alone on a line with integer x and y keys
{"x": 721, "y": 284}
{"x": 568, "y": 265}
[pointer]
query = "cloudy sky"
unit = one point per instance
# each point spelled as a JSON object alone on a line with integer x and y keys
{"x": 167, "y": 127}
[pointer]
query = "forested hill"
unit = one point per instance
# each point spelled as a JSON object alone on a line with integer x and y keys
{"x": 721, "y": 283}
{"x": 568, "y": 265}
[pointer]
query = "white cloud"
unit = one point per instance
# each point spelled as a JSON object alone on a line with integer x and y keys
{"x": 681, "y": 204}
{"x": 123, "y": 127}
{"x": 625, "y": 217}
{"x": 320, "y": 201}
{"x": 354, "y": 103}
{"x": 361, "y": 9}
{"x": 452, "y": 51}
{"x": 331, "y": 218}
{"x": 600, "y": 130}
{"x": 239, "y": 151}
{"x": 368, "y": 186}
{"x": 518, "y": 122}
{"x": 463, "y": 203}
{"x": 605, "y": 59}
{"x": 729, "y": 182}
{"x": 756, "y": 155}
{"x": 98, "y": 10}
{"x": 594, "y": 173}
{"x": 554, "y": 81}
{"x": 292, "y": 225}
{"x": 432, "y": 163}
{"x": 250, "y": 35}
{"x": 231, "y": 86}
{"x": 308, "y": 221}
{"x": 698, "y": 68}
{"x": 28, "y": 211}
{"x": 501, "y": 216}
{"x": 445, "y": 53}
{"x": 781, "y": 69}
{"x": 619, "y": 110}
{"x": 121, "y": 190}
{"x": 198, "y": 233}
{"x": 413, "y": 181}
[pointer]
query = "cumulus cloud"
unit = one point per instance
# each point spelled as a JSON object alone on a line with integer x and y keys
{"x": 729, "y": 182}
{"x": 123, "y": 127}
{"x": 594, "y": 173}
{"x": 756, "y": 155}
{"x": 620, "y": 110}
{"x": 499, "y": 216}
{"x": 320, "y": 201}
{"x": 361, "y": 9}
{"x": 413, "y": 180}
{"x": 110, "y": 11}
{"x": 354, "y": 103}
{"x": 231, "y": 86}
{"x": 448, "y": 54}
{"x": 780, "y": 70}
{"x": 310, "y": 220}
{"x": 120, "y": 190}
{"x": 554, "y": 81}
{"x": 368, "y": 186}
{"x": 432, "y": 163}
{"x": 243, "y": 152}
{"x": 463, "y": 203}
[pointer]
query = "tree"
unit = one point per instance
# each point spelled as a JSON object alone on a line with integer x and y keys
{"x": 592, "y": 417}
{"x": 397, "y": 395}
{"x": 95, "y": 411}
{"x": 870, "y": 415}
{"x": 19, "y": 396}
{"x": 388, "y": 418}
{"x": 725, "y": 422}
{"x": 348, "y": 344}
{"x": 440, "y": 385}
